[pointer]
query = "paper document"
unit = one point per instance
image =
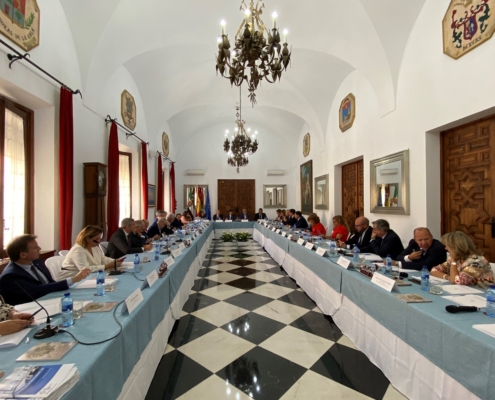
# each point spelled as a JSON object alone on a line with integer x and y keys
{"x": 126, "y": 265}
{"x": 372, "y": 257}
{"x": 468, "y": 300}
{"x": 489, "y": 329}
{"x": 91, "y": 284}
{"x": 13, "y": 339}
{"x": 461, "y": 289}
{"x": 52, "y": 306}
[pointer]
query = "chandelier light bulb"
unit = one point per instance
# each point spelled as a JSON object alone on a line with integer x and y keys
{"x": 223, "y": 26}
{"x": 286, "y": 34}
{"x": 255, "y": 132}
{"x": 247, "y": 13}
{"x": 236, "y": 129}
{"x": 274, "y": 16}
{"x": 233, "y": 53}
{"x": 249, "y": 130}
{"x": 227, "y": 131}
{"x": 219, "y": 39}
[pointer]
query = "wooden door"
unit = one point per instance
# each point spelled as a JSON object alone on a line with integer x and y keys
{"x": 236, "y": 194}
{"x": 468, "y": 182}
{"x": 352, "y": 192}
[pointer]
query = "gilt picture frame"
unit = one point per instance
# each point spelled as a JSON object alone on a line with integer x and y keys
{"x": 321, "y": 192}
{"x": 306, "y": 187}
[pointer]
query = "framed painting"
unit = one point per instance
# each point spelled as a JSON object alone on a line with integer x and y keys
{"x": 347, "y": 112}
{"x": 128, "y": 110}
{"x": 306, "y": 180}
{"x": 321, "y": 192}
{"x": 151, "y": 195}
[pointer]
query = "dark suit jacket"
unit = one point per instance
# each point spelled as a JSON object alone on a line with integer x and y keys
{"x": 136, "y": 240}
{"x": 218, "y": 217}
{"x": 176, "y": 224}
{"x": 257, "y": 216}
{"x": 390, "y": 245}
{"x": 354, "y": 240}
{"x": 291, "y": 221}
{"x": 301, "y": 223}
{"x": 245, "y": 216}
{"x": 118, "y": 246}
{"x": 432, "y": 257}
{"x": 13, "y": 294}
{"x": 231, "y": 217}
{"x": 155, "y": 230}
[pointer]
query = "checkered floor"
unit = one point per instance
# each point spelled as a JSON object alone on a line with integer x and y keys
{"x": 248, "y": 331}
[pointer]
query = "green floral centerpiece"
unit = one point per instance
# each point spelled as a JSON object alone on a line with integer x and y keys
{"x": 242, "y": 236}
{"x": 228, "y": 237}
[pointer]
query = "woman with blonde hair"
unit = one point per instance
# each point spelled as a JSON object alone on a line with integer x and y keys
{"x": 340, "y": 228}
{"x": 86, "y": 254}
{"x": 316, "y": 226}
{"x": 466, "y": 264}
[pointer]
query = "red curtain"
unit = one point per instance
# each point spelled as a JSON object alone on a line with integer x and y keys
{"x": 144, "y": 179}
{"x": 113, "y": 181}
{"x": 66, "y": 167}
{"x": 159, "y": 185}
{"x": 173, "y": 202}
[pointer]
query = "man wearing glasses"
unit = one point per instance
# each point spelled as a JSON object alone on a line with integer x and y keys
{"x": 362, "y": 236}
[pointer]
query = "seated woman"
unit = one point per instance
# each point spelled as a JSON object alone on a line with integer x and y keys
{"x": 202, "y": 214}
{"x": 11, "y": 320}
{"x": 340, "y": 228}
{"x": 316, "y": 226}
{"x": 466, "y": 264}
{"x": 86, "y": 254}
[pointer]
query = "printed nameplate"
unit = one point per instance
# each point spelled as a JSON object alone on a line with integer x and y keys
{"x": 344, "y": 262}
{"x": 169, "y": 261}
{"x": 152, "y": 277}
{"x": 300, "y": 241}
{"x": 133, "y": 301}
{"x": 218, "y": 220}
{"x": 244, "y": 220}
{"x": 290, "y": 236}
{"x": 228, "y": 220}
{"x": 321, "y": 251}
{"x": 309, "y": 246}
{"x": 284, "y": 234}
{"x": 277, "y": 231}
{"x": 182, "y": 246}
{"x": 176, "y": 253}
{"x": 383, "y": 281}
{"x": 274, "y": 229}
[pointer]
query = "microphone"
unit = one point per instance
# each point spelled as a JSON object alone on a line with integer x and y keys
{"x": 455, "y": 309}
{"x": 115, "y": 271}
{"x": 48, "y": 330}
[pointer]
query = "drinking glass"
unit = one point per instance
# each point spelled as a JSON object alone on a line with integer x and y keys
{"x": 361, "y": 260}
{"x": 110, "y": 284}
{"x": 394, "y": 272}
{"x": 77, "y": 309}
{"x": 436, "y": 287}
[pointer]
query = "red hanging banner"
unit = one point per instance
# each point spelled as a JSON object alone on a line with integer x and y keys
{"x": 144, "y": 180}
{"x": 113, "y": 210}
{"x": 173, "y": 202}
{"x": 159, "y": 185}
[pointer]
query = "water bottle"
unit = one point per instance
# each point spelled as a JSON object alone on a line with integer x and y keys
{"x": 67, "y": 306}
{"x": 332, "y": 247}
{"x": 157, "y": 252}
{"x": 355, "y": 257}
{"x": 319, "y": 239}
{"x": 388, "y": 265}
{"x": 137, "y": 261}
{"x": 490, "y": 301}
{"x": 100, "y": 283}
{"x": 425, "y": 279}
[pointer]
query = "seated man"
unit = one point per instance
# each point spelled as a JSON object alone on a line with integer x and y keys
{"x": 174, "y": 221}
{"x": 159, "y": 214}
{"x": 120, "y": 243}
{"x": 27, "y": 271}
{"x": 231, "y": 216}
{"x": 170, "y": 228}
{"x": 422, "y": 251}
{"x": 301, "y": 222}
{"x": 157, "y": 231}
{"x": 245, "y": 215}
{"x": 218, "y": 216}
{"x": 362, "y": 236}
{"x": 137, "y": 239}
{"x": 384, "y": 241}
{"x": 291, "y": 221}
{"x": 261, "y": 214}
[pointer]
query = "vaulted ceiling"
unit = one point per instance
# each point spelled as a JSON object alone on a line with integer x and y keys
{"x": 169, "y": 49}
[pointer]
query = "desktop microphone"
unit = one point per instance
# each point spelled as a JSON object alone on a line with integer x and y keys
{"x": 115, "y": 271}
{"x": 455, "y": 309}
{"x": 48, "y": 330}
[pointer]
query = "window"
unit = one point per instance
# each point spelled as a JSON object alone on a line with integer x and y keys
{"x": 17, "y": 171}
{"x": 125, "y": 185}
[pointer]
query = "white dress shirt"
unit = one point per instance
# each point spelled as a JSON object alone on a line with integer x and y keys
{"x": 79, "y": 258}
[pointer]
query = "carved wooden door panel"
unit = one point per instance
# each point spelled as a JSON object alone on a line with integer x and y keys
{"x": 352, "y": 192}
{"x": 236, "y": 194}
{"x": 468, "y": 173}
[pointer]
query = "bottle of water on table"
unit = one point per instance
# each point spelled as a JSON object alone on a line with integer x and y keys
{"x": 355, "y": 256}
{"x": 67, "y": 307}
{"x": 490, "y": 301}
{"x": 388, "y": 265}
{"x": 425, "y": 279}
{"x": 100, "y": 283}
{"x": 137, "y": 261}
{"x": 332, "y": 247}
{"x": 157, "y": 252}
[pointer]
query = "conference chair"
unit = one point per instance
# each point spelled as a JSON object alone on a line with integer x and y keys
{"x": 63, "y": 253}
{"x": 103, "y": 247}
{"x": 54, "y": 265}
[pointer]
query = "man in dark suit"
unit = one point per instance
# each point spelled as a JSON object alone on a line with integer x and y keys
{"x": 245, "y": 215}
{"x": 231, "y": 216}
{"x": 28, "y": 271}
{"x": 291, "y": 221}
{"x": 384, "y": 241}
{"x": 156, "y": 232}
{"x": 422, "y": 251}
{"x": 362, "y": 236}
{"x": 218, "y": 216}
{"x": 175, "y": 221}
{"x": 137, "y": 238}
{"x": 261, "y": 214}
{"x": 301, "y": 222}
{"x": 120, "y": 243}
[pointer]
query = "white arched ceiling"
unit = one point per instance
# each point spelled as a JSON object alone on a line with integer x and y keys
{"x": 169, "y": 49}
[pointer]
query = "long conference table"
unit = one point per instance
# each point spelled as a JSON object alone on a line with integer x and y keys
{"x": 424, "y": 351}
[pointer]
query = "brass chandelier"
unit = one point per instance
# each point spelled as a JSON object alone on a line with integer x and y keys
{"x": 258, "y": 53}
{"x": 242, "y": 145}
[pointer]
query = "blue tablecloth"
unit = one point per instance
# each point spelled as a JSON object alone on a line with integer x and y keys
{"x": 104, "y": 368}
{"x": 233, "y": 225}
{"x": 448, "y": 340}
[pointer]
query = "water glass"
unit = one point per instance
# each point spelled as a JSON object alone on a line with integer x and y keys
{"x": 394, "y": 272}
{"x": 77, "y": 309}
{"x": 110, "y": 284}
{"x": 436, "y": 287}
{"x": 361, "y": 260}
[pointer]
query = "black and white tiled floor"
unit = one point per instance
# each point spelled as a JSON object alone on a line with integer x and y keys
{"x": 248, "y": 331}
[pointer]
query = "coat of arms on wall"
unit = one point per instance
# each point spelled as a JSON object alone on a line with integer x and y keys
{"x": 466, "y": 25}
{"x": 165, "y": 144}
{"x": 128, "y": 110}
{"x": 347, "y": 112}
{"x": 306, "y": 145}
{"x": 20, "y": 22}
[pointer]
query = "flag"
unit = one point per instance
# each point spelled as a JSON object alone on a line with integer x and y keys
{"x": 191, "y": 194}
{"x": 395, "y": 201}
{"x": 199, "y": 204}
{"x": 207, "y": 205}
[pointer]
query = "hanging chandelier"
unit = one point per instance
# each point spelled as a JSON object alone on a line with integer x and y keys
{"x": 242, "y": 145}
{"x": 257, "y": 54}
